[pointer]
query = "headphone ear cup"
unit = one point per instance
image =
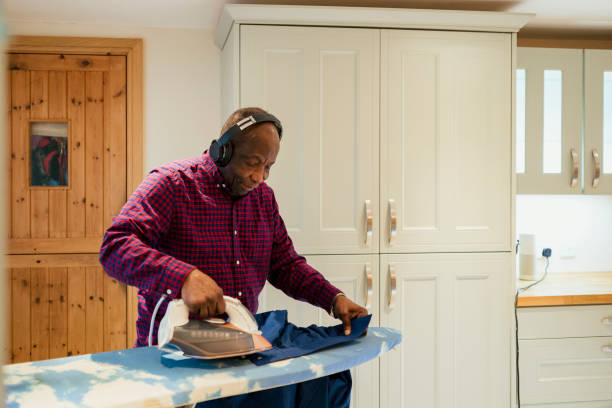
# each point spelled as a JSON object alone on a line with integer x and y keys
{"x": 226, "y": 154}
{"x": 213, "y": 151}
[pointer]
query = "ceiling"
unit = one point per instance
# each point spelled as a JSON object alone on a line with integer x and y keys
{"x": 577, "y": 18}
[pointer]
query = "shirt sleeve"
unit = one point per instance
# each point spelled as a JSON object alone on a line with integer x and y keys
{"x": 128, "y": 251}
{"x": 291, "y": 273}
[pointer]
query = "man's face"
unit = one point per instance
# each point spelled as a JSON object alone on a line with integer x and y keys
{"x": 252, "y": 159}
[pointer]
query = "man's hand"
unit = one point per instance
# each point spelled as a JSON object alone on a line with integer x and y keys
{"x": 345, "y": 310}
{"x": 202, "y": 295}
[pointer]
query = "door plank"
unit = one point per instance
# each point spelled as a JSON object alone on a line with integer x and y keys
{"x": 115, "y": 93}
{"x": 39, "y": 318}
{"x": 58, "y": 62}
{"x": 94, "y": 153}
{"x": 76, "y": 193}
{"x": 20, "y": 194}
{"x": 115, "y": 314}
{"x": 57, "y": 197}
{"x": 58, "y": 294}
{"x": 76, "y": 311}
{"x": 94, "y": 325}
{"x": 39, "y": 102}
{"x": 7, "y": 351}
{"x": 20, "y": 313}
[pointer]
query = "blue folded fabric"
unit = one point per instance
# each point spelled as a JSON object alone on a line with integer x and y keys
{"x": 290, "y": 340}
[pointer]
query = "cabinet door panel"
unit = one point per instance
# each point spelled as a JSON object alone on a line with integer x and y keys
{"x": 454, "y": 314}
{"x": 445, "y": 141}
{"x": 543, "y": 124}
{"x": 322, "y": 83}
{"x": 598, "y": 121}
{"x": 347, "y": 273}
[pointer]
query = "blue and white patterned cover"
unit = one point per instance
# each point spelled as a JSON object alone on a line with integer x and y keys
{"x": 137, "y": 378}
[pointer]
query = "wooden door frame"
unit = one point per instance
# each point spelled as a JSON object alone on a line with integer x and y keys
{"x": 132, "y": 49}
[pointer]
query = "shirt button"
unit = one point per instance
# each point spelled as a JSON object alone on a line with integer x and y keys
{"x": 239, "y": 293}
{"x": 217, "y": 186}
{"x": 235, "y": 232}
{"x": 223, "y": 185}
{"x": 237, "y": 262}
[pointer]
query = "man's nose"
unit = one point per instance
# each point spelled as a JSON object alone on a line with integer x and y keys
{"x": 258, "y": 175}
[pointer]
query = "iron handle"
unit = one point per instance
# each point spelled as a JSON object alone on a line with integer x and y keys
{"x": 597, "y": 169}
{"x": 392, "y": 221}
{"x": 369, "y": 290}
{"x": 607, "y": 348}
{"x": 392, "y": 286}
{"x": 575, "y": 168}
{"x": 607, "y": 321}
{"x": 368, "y": 222}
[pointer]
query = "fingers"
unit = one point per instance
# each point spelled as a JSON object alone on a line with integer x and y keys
{"x": 346, "y": 322}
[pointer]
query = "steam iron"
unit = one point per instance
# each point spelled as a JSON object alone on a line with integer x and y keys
{"x": 211, "y": 338}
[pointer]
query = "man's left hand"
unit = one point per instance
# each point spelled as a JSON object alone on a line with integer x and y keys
{"x": 345, "y": 310}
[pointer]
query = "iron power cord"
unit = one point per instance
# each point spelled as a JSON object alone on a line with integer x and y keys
{"x": 546, "y": 252}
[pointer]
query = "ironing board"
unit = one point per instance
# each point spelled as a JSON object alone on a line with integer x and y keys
{"x": 136, "y": 377}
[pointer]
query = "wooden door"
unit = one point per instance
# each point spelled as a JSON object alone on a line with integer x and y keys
{"x": 445, "y": 142}
{"x": 598, "y": 121}
{"x": 67, "y": 165}
{"x": 357, "y": 277}
{"x": 453, "y": 311}
{"x": 322, "y": 83}
{"x": 552, "y": 121}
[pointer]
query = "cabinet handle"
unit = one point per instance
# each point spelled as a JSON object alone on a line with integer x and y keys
{"x": 607, "y": 321}
{"x": 392, "y": 286}
{"x": 392, "y": 221}
{"x": 368, "y": 222}
{"x": 369, "y": 291}
{"x": 597, "y": 169}
{"x": 607, "y": 348}
{"x": 575, "y": 167}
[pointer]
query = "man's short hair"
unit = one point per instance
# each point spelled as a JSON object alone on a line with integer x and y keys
{"x": 236, "y": 117}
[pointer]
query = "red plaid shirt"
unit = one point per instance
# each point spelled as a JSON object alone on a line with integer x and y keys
{"x": 182, "y": 217}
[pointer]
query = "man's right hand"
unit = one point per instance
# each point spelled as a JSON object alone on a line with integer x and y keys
{"x": 202, "y": 295}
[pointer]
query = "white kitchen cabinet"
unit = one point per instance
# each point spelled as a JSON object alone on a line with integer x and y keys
{"x": 322, "y": 83}
{"x": 598, "y": 121}
{"x": 565, "y": 356}
{"x": 412, "y": 108}
{"x": 356, "y": 276}
{"x": 446, "y": 118}
{"x": 453, "y": 310}
{"x": 555, "y": 109}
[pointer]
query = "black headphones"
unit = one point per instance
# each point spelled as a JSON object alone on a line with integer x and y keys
{"x": 220, "y": 150}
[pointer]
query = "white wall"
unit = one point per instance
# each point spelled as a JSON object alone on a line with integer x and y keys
{"x": 181, "y": 84}
{"x": 578, "y": 229}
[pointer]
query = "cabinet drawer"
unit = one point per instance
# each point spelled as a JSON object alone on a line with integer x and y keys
{"x": 562, "y": 370}
{"x": 564, "y": 321}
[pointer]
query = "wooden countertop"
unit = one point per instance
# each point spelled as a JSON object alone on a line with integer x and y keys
{"x": 565, "y": 288}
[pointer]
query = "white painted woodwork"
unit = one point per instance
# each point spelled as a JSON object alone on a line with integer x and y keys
{"x": 323, "y": 85}
{"x": 564, "y": 321}
{"x": 534, "y": 61}
{"x": 347, "y": 273}
{"x": 596, "y": 63}
{"x": 366, "y": 17}
{"x": 230, "y": 74}
{"x": 595, "y": 404}
{"x": 565, "y": 370}
{"x": 454, "y": 313}
{"x": 446, "y": 140}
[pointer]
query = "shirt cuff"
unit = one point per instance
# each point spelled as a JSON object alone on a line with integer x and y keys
{"x": 175, "y": 275}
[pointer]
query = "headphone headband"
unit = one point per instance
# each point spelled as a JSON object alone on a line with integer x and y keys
{"x": 221, "y": 150}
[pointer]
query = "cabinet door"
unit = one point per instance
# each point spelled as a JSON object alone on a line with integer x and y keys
{"x": 322, "y": 83}
{"x": 454, "y": 312}
{"x": 348, "y": 273}
{"x": 549, "y": 125}
{"x": 445, "y": 141}
{"x": 598, "y": 122}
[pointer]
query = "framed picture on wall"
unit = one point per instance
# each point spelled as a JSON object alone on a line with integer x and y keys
{"x": 49, "y": 154}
